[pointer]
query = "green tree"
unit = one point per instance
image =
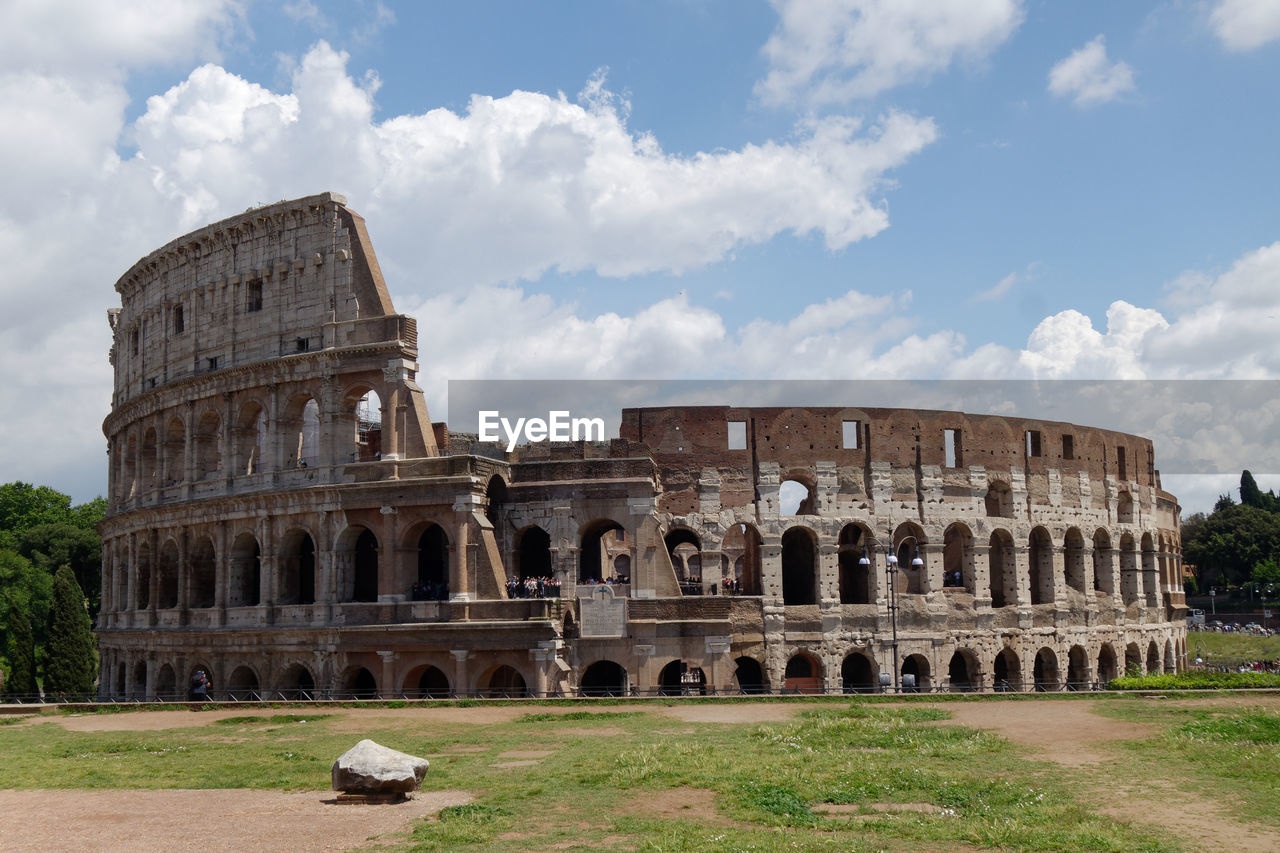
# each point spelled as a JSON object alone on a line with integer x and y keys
{"x": 52, "y": 545}
{"x": 1266, "y": 573}
{"x": 23, "y": 506}
{"x": 27, "y": 588}
{"x": 1225, "y": 548}
{"x": 69, "y": 665}
{"x": 21, "y": 651}
{"x": 1251, "y": 495}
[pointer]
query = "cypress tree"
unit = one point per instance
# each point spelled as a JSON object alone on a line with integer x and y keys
{"x": 22, "y": 654}
{"x": 69, "y": 661}
{"x": 1250, "y": 494}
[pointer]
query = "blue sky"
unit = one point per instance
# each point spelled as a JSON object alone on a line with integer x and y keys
{"x": 675, "y": 188}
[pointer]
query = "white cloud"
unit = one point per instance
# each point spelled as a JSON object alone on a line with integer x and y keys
{"x": 834, "y": 52}
{"x": 1004, "y": 285}
{"x": 1245, "y": 24}
{"x": 1089, "y": 78}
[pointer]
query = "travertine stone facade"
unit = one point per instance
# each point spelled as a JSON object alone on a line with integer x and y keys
{"x": 284, "y": 516}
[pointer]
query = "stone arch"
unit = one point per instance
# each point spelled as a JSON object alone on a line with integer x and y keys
{"x": 1004, "y": 569}
{"x": 167, "y": 684}
{"x": 957, "y": 558}
{"x": 687, "y": 561}
{"x": 797, "y": 495}
{"x": 496, "y": 497}
{"x": 749, "y": 676}
{"x": 1153, "y": 658}
{"x": 299, "y": 428}
{"x": 297, "y": 567}
{"x": 1040, "y": 565}
{"x": 142, "y": 573}
{"x": 914, "y": 675}
{"x": 503, "y": 682}
{"x": 129, "y": 468}
{"x": 427, "y": 682}
{"x": 533, "y": 553}
{"x": 150, "y": 461}
{"x": 207, "y": 445}
{"x": 856, "y": 577}
{"x": 432, "y": 548}
{"x": 964, "y": 673}
{"x": 167, "y": 576}
{"x": 909, "y": 541}
{"x": 138, "y": 681}
{"x": 858, "y": 673}
{"x": 603, "y": 678}
{"x": 1124, "y": 507}
{"x": 202, "y": 585}
{"x": 622, "y": 568}
{"x": 744, "y": 538}
{"x": 1045, "y": 671}
{"x": 248, "y": 439}
{"x": 1103, "y": 562}
{"x": 803, "y": 674}
{"x": 358, "y": 562}
{"x": 242, "y": 685}
{"x": 358, "y": 682}
{"x": 593, "y": 553}
{"x": 175, "y": 452}
{"x": 1106, "y": 664}
{"x": 1073, "y": 559}
{"x": 297, "y": 682}
{"x": 1007, "y": 671}
{"x": 1132, "y": 660}
{"x": 367, "y": 416}
{"x": 799, "y": 567}
{"x": 999, "y": 500}
{"x": 1078, "y": 669}
{"x": 245, "y": 574}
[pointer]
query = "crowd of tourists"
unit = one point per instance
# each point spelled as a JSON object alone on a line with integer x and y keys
{"x": 533, "y": 588}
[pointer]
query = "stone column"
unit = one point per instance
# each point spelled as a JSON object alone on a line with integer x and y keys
{"x": 981, "y": 576}
{"x": 461, "y": 678}
{"x": 386, "y": 681}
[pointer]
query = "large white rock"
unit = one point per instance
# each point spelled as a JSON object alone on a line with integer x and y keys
{"x": 370, "y": 768}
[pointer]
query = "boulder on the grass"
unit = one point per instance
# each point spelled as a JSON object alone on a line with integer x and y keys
{"x": 370, "y": 768}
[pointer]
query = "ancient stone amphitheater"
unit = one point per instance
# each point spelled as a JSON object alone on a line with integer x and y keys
{"x": 285, "y": 516}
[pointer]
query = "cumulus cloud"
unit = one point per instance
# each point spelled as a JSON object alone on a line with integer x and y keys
{"x": 834, "y": 52}
{"x": 1089, "y": 78}
{"x": 1245, "y": 24}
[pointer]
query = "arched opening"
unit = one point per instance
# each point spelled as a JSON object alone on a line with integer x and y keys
{"x": 1073, "y": 559}
{"x": 1153, "y": 658}
{"x": 749, "y": 676}
{"x": 962, "y": 672}
{"x": 138, "y": 684}
{"x": 433, "y": 565}
{"x": 175, "y": 452}
{"x": 999, "y": 500}
{"x": 1103, "y": 563}
{"x": 1124, "y": 508}
{"x": 167, "y": 684}
{"x": 1078, "y": 669}
{"x": 796, "y": 498}
{"x": 297, "y": 568}
{"x": 799, "y": 567}
{"x": 364, "y": 567}
{"x": 622, "y": 568}
{"x": 957, "y": 558}
{"x": 855, "y": 576}
{"x": 249, "y": 439}
{"x": 504, "y": 683}
{"x": 858, "y": 674}
{"x": 742, "y": 545}
{"x": 915, "y": 674}
{"x": 1040, "y": 566}
{"x": 1132, "y": 660}
{"x": 359, "y": 683}
{"x": 1106, "y": 664}
{"x": 368, "y": 418}
{"x": 297, "y": 683}
{"x": 299, "y": 430}
{"x": 167, "y": 580}
{"x": 802, "y": 675}
{"x": 593, "y": 555}
{"x": 687, "y": 561}
{"x": 1004, "y": 569}
{"x": 242, "y": 685}
{"x": 142, "y": 585}
{"x": 202, "y": 586}
{"x": 246, "y": 572}
{"x": 129, "y": 470}
{"x": 150, "y": 460}
{"x": 1045, "y": 674}
{"x": 534, "y": 553}
{"x": 1007, "y": 671}
{"x": 1129, "y": 576}
{"x": 912, "y": 565}
{"x": 431, "y": 683}
{"x": 496, "y": 497}
{"x": 603, "y": 678}
{"x": 208, "y": 446}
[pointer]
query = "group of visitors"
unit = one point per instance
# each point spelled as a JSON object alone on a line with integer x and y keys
{"x": 429, "y": 591}
{"x": 533, "y": 587}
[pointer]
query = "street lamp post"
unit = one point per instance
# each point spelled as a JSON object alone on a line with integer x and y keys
{"x": 890, "y": 576}
{"x": 1213, "y": 600}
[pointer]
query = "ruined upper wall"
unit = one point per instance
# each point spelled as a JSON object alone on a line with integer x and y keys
{"x": 287, "y": 278}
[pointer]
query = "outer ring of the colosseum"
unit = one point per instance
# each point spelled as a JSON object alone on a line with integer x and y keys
{"x": 274, "y": 524}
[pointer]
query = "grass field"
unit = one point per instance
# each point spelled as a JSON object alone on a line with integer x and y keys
{"x": 839, "y": 776}
{"x": 1231, "y": 647}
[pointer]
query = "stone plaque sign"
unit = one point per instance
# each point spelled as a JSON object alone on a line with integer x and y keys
{"x": 602, "y": 614}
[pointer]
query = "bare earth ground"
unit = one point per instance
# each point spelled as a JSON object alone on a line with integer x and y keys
{"x": 1069, "y": 733}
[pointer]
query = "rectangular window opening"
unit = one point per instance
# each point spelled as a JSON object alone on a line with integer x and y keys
{"x": 1068, "y": 447}
{"x": 253, "y": 296}
{"x": 212, "y": 362}
{"x": 1033, "y": 443}
{"x": 737, "y": 435}
{"x": 133, "y": 341}
{"x": 179, "y": 321}
{"x": 850, "y": 437}
{"x": 303, "y": 344}
{"x": 951, "y": 447}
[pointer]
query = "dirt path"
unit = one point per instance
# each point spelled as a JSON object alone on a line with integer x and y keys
{"x": 1072, "y": 734}
{"x": 216, "y": 821}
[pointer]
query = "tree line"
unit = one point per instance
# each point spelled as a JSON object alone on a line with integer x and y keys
{"x": 1237, "y": 544}
{"x": 50, "y": 588}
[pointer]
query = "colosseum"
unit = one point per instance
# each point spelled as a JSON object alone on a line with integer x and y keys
{"x": 285, "y": 516}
